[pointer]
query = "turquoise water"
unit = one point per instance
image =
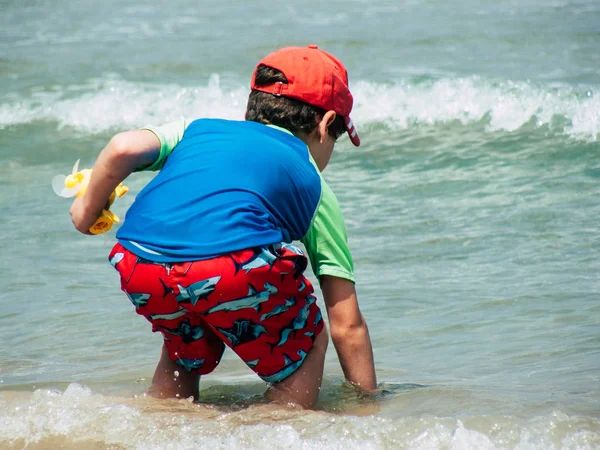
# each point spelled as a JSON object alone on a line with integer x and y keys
{"x": 472, "y": 212}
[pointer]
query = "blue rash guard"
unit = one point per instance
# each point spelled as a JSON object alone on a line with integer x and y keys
{"x": 227, "y": 186}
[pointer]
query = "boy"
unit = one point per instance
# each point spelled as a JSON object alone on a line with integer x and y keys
{"x": 204, "y": 253}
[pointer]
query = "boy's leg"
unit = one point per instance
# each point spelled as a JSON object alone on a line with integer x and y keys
{"x": 302, "y": 387}
{"x": 189, "y": 348}
{"x": 171, "y": 380}
{"x": 264, "y": 309}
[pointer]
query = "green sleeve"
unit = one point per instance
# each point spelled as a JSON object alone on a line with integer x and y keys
{"x": 169, "y": 136}
{"x": 326, "y": 242}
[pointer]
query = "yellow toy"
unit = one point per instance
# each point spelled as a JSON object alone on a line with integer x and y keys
{"x": 75, "y": 185}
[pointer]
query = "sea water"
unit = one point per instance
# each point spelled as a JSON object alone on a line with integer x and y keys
{"x": 472, "y": 211}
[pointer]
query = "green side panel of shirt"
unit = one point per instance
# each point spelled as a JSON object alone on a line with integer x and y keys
{"x": 326, "y": 242}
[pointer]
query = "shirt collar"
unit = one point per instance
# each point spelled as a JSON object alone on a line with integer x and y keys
{"x": 280, "y": 129}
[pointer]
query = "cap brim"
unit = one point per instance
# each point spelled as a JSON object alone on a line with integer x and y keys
{"x": 352, "y": 132}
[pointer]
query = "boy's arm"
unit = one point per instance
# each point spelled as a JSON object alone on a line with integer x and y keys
{"x": 121, "y": 156}
{"x": 349, "y": 332}
{"x": 327, "y": 247}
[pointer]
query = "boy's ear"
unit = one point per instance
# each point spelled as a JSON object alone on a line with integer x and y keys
{"x": 325, "y": 123}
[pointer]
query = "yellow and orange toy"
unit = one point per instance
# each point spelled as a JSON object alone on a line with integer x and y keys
{"x": 75, "y": 185}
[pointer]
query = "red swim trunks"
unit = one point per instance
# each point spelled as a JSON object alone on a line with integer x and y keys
{"x": 256, "y": 301}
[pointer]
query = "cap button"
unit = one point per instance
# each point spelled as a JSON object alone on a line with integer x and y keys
{"x": 313, "y": 46}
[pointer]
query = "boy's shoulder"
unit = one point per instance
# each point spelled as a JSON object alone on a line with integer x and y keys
{"x": 212, "y": 125}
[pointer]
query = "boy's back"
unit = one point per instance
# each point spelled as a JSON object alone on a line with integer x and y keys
{"x": 226, "y": 186}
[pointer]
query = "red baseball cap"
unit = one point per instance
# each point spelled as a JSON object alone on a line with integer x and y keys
{"x": 314, "y": 77}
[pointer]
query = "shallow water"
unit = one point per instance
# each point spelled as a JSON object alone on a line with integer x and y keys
{"x": 471, "y": 210}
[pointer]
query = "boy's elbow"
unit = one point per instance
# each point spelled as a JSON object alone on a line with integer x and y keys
{"x": 343, "y": 331}
{"x": 134, "y": 148}
{"x": 120, "y": 145}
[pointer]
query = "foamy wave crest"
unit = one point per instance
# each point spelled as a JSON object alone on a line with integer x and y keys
{"x": 78, "y": 418}
{"x": 114, "y": 103}
{"x": 502, "y": 105}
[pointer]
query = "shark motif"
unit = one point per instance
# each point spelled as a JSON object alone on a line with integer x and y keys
{"x": 299, "y": 264}
{"x": 262, "y": 259}
{"x": 190, "y": 364}
{"x": 117, "y": 258}
{"x": 288, "y": 369}
{"x": 253, "y": 300}
{"x": 166, "y": 289}
{"x": 187, "y": 332}
{"x": 318, "y": 317}
{"x": 279, "y": 309}
{"x": 293, "y": 248}
{"x": 242, "y": 331}
{"x": 196, "y": 291}
{"x": 298, "y": 323}
{"x": 311, "y": 333}
{"x": 138, "y": 300}
{"x": 252, "y": 364}
{"x": 168, "y": 316}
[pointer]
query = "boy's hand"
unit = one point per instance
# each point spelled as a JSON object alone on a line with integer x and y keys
{"x": 124, "y": 152}
{"x": 349, "y": 333}
{"x": 82, "y": 218}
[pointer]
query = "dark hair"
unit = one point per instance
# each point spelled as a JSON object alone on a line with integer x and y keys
{"x": 285, "y": 112}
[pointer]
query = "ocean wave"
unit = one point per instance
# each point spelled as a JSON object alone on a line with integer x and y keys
{"x": 77, "y": 416}
{"x": 114, "y": 103}
{"x": 502, "y": 105}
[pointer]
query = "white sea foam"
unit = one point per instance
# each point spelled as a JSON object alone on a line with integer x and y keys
{"x": 70, "y": 418}
{"x": 503, "y": 105}
{"x": 113, "y": 103}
